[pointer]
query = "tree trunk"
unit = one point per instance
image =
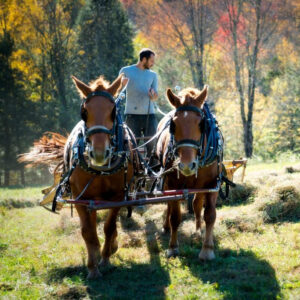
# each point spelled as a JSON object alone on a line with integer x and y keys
{"x": 248, "y": 139}
{"x": 7, "y": 157}
{"x": 6, "y": 176}
{"x": 22, "y": 173}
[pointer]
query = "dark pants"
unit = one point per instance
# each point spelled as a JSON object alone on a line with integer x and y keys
{"x": 138, "y": 124}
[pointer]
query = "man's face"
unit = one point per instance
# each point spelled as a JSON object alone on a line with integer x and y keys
{"x": 149, "y": 63}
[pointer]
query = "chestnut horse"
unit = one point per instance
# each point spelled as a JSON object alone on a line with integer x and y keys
{"x": 98, "y": 164}
{"x": 109, "y": 168}
{"x": 186, "y": 147}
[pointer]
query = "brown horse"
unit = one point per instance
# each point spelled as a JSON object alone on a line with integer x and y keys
{"x": 100, "y": 162}
{"x": 98, "y": 113}
{"x": 178, "y": 149}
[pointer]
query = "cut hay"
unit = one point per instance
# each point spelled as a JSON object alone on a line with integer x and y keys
{"x": 284, "y": 205}
{"x": 242, "y": 224}
{"x": 241, "y": 194}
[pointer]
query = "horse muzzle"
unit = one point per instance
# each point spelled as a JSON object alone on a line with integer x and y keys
{"x": 99, "y": 158}
{"x": 188, "y": 169}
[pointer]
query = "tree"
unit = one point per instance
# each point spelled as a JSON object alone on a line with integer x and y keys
{"x": 181, "y": 27}
{"x": 54, "y": 24}
{"x": 246, "y": 26}
{"x": 15, "y": 111}
{"x": 104, "y": 40}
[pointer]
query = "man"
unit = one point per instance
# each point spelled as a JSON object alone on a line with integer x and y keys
{"x": 141, "y": 92}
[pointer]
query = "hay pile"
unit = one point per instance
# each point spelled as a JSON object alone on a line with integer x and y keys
{"x": 241, "y": 194}
{"x": 282, "y": 205}
{"x": 271, "y": 196}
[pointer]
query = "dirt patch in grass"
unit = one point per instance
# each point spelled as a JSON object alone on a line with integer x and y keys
{"x": 131, "y": 240}
{"x": 66, "y": 293}
{"x": 6, "y": 286}
{"x": 296, "y": 270}
{"x": 3, "y": 248}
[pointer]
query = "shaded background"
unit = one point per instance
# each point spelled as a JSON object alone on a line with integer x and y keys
{"x": 245, "y": 50}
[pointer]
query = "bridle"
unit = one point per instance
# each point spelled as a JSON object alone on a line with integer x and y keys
{"x": 89, "y": 131}
{"x": 186, "y": 142}
{"x": 98, "y": 128}
{"x": 210, "y": 145}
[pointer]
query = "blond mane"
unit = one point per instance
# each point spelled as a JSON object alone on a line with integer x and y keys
{"x": 100, "y": 84}
{"x": 187, "y": 95}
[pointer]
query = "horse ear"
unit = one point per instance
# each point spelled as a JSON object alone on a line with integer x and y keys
{"x": 82, "y": 88}
{"x": 202, "y": 97}
{"x": 115, "y": 86}
{"x": 173, "y": 99}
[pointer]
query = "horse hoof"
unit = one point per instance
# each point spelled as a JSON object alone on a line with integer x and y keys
{"x": 95, "y": 274}
{"x": 172, "y": 252}
{"x": 104, "y": 263}
{"x": 207, "y": 254}
{"x": 165, "y": 230}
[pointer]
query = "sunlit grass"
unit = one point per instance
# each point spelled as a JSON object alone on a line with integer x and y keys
{"x": 42, "y": 255}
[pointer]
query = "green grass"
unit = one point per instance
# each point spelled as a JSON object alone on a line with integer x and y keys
{"x": 42, "y": 255}
{"x": 16, "y": 197}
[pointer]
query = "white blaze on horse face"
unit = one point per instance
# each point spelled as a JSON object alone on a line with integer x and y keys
{"x": 185, "y": 114}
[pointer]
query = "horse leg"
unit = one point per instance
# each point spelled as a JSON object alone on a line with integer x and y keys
{"x": 207, "y": 251}
{"x": 197, "y": 206}
{"x": 110, "y": 231}
{"x": 166, "y": 225}
{"x": 89, "y": 234}
{"x": 175, "y": 219}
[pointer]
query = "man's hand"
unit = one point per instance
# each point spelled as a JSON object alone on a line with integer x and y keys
{"x": 152, "y": 95}
{"x": 124, "y": 81}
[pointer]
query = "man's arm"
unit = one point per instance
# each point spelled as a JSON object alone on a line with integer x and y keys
{"x": 153, "y": 91}
{"x": 124, "y": 78}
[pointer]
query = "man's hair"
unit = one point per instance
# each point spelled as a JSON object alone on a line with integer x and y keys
{"x": 146, "y": 52}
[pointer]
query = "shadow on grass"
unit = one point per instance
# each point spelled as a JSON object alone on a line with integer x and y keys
{"x": 237, "y": 274}
{"x": 128, "y": 224}
{"x": 130, "y": 280}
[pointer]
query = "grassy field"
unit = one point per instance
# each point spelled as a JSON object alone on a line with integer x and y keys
{"x": 257, "y": 237}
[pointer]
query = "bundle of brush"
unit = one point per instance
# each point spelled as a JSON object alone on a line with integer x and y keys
{"x": 49, "y": 151}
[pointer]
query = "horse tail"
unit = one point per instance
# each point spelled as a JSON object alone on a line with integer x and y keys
{"x": 49, "y": 151}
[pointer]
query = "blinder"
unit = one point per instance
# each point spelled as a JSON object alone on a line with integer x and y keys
{"x": 172, "y": 127}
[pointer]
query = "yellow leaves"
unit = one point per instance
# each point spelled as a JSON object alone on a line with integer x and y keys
{"x": 18, "y": 53}
{"x": 140, "y": 41}
{"x": 286, "y": 52}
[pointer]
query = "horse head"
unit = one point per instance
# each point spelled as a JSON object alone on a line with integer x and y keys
{"x": 98, "y": 112}
{"x": 186, "y": 127}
